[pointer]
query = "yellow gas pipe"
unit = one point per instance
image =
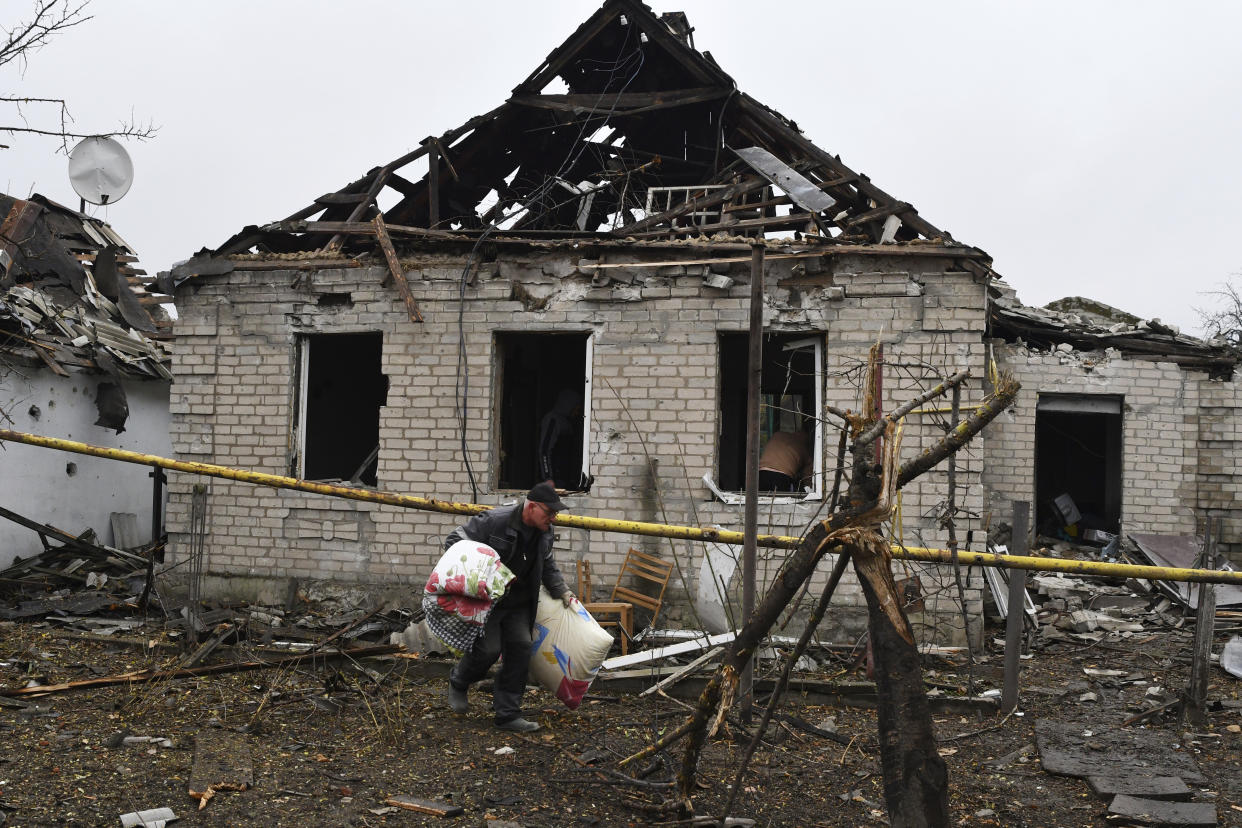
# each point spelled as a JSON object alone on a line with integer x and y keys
{"x": 629, "y": 527}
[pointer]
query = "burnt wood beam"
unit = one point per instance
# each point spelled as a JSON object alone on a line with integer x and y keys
{"x": 358, "y": 228}
{"x": 794, "y": 221}
{"x": 622, "y": 103}
{"x": 381, "y": 175}
{"x": 402, "y": 184}
{"x": 394, "y": 268}
{"x": 433, "y": 184}
{"x": 561, "y": 56}
{"x": 340, "y": 198}
{"x": 881, "y": 212}
{"x": 355, "y": 187}
{"x": 444, "y": 156}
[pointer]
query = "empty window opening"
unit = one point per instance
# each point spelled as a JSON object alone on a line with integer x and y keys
{"x": 791, "y": 389}
{"x": 544, "y": 401}
{"x": 1078, "y": 451}
{"x": 331, "y": 300}
{"x": 342, "y": 389}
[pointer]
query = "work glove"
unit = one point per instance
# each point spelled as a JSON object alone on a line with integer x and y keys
{"x": 568, "y": 598}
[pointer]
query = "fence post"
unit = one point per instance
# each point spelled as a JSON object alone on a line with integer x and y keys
{"x": 1017, "y": 607}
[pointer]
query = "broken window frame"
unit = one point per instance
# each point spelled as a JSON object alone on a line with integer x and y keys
{"x": 302, "y": 345}
{"x": 815, "y": 341}
{"x": 503, "y": 481}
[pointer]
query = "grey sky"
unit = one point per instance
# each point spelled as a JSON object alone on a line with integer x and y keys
{"x": 1091, "y": 149}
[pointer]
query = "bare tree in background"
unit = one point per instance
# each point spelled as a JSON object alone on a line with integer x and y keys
{"x": 47, "y": 116}
{"x": 1224, "y": 319}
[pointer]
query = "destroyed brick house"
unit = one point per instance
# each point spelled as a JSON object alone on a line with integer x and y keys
{"x": 582, "y": 252}
{"x": 81, "y": 356}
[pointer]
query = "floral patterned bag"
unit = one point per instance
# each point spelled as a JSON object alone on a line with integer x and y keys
{"x": 459, "y": 595}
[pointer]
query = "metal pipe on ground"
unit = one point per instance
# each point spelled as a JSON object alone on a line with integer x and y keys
{"x": 630, "y": 527}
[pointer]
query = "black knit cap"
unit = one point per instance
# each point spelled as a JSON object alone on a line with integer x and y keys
{"x": 545, "y": 493}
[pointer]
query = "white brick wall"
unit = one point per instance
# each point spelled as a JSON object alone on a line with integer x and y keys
{"x": 655, "y": 379}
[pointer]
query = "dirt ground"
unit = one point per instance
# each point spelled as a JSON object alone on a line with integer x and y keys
{"x": 328, "y": 744}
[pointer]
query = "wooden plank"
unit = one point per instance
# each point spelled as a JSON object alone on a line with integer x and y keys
{"x": 1205, "y": 626}
{"x": 42, "y": 352}
{"x": 444, "y": 156}
{"x": 363, "y": 228}
{"x": 683, "y": 672}
{"x": 425, "y": 806}
{"x": 394, "y": 267}
{"x": 303, "y": 264}
{"x": 144, "y": 676}
{"x": 340, "y": 198}
{"x": 1017, "y": 596}
{"x": 790, "y": 222}
{"x": 648, "y": 656}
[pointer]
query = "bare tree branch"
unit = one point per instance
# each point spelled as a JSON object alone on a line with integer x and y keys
{"x": 1006, "y": 391}
{"x": 1224, "y": 320}
{"x": 49, "y": 18}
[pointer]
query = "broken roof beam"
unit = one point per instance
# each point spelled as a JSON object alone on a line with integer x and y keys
{"x": 362, "y": 228}
{"x": 792, "y": 221}
{"x": 561, "y": 56}
{"x": 398, "y": 275}
{"x": 382, "y": 174}
{"x": 622, "y": 103}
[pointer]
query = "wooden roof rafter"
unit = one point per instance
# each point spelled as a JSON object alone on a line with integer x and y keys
{"x": 674, "y": 115}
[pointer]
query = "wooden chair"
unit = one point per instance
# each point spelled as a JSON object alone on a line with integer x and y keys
{"x": 619, "y": 610}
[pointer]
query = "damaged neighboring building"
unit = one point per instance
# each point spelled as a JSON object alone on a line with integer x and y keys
{"x": 579, "y": 257}
{"x": 82, "y": 356}
{"x": 1135, "y": 422}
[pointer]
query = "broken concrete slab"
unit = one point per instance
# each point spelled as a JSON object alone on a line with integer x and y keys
{"x": 1155, "y": 812}
{"x": 1081, "y": 749}
{"x": 1168, "y": 788}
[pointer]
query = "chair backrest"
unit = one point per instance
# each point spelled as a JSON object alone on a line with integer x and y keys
{"x": 644, "y": 567}
{"x": 584, "y": 581}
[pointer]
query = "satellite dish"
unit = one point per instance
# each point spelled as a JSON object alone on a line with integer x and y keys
{"x": 100, "y": 170}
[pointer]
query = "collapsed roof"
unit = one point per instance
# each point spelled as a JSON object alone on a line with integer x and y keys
{"x": 72, "y": 296}
{"x": 649, "y": 140}
{"x": 1088, "y": 325}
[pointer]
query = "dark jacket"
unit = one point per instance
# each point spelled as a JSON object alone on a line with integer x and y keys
{"x": 498, "y": 529}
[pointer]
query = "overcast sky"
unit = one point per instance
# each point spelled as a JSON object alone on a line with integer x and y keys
{"x": 1091, "y": 148}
